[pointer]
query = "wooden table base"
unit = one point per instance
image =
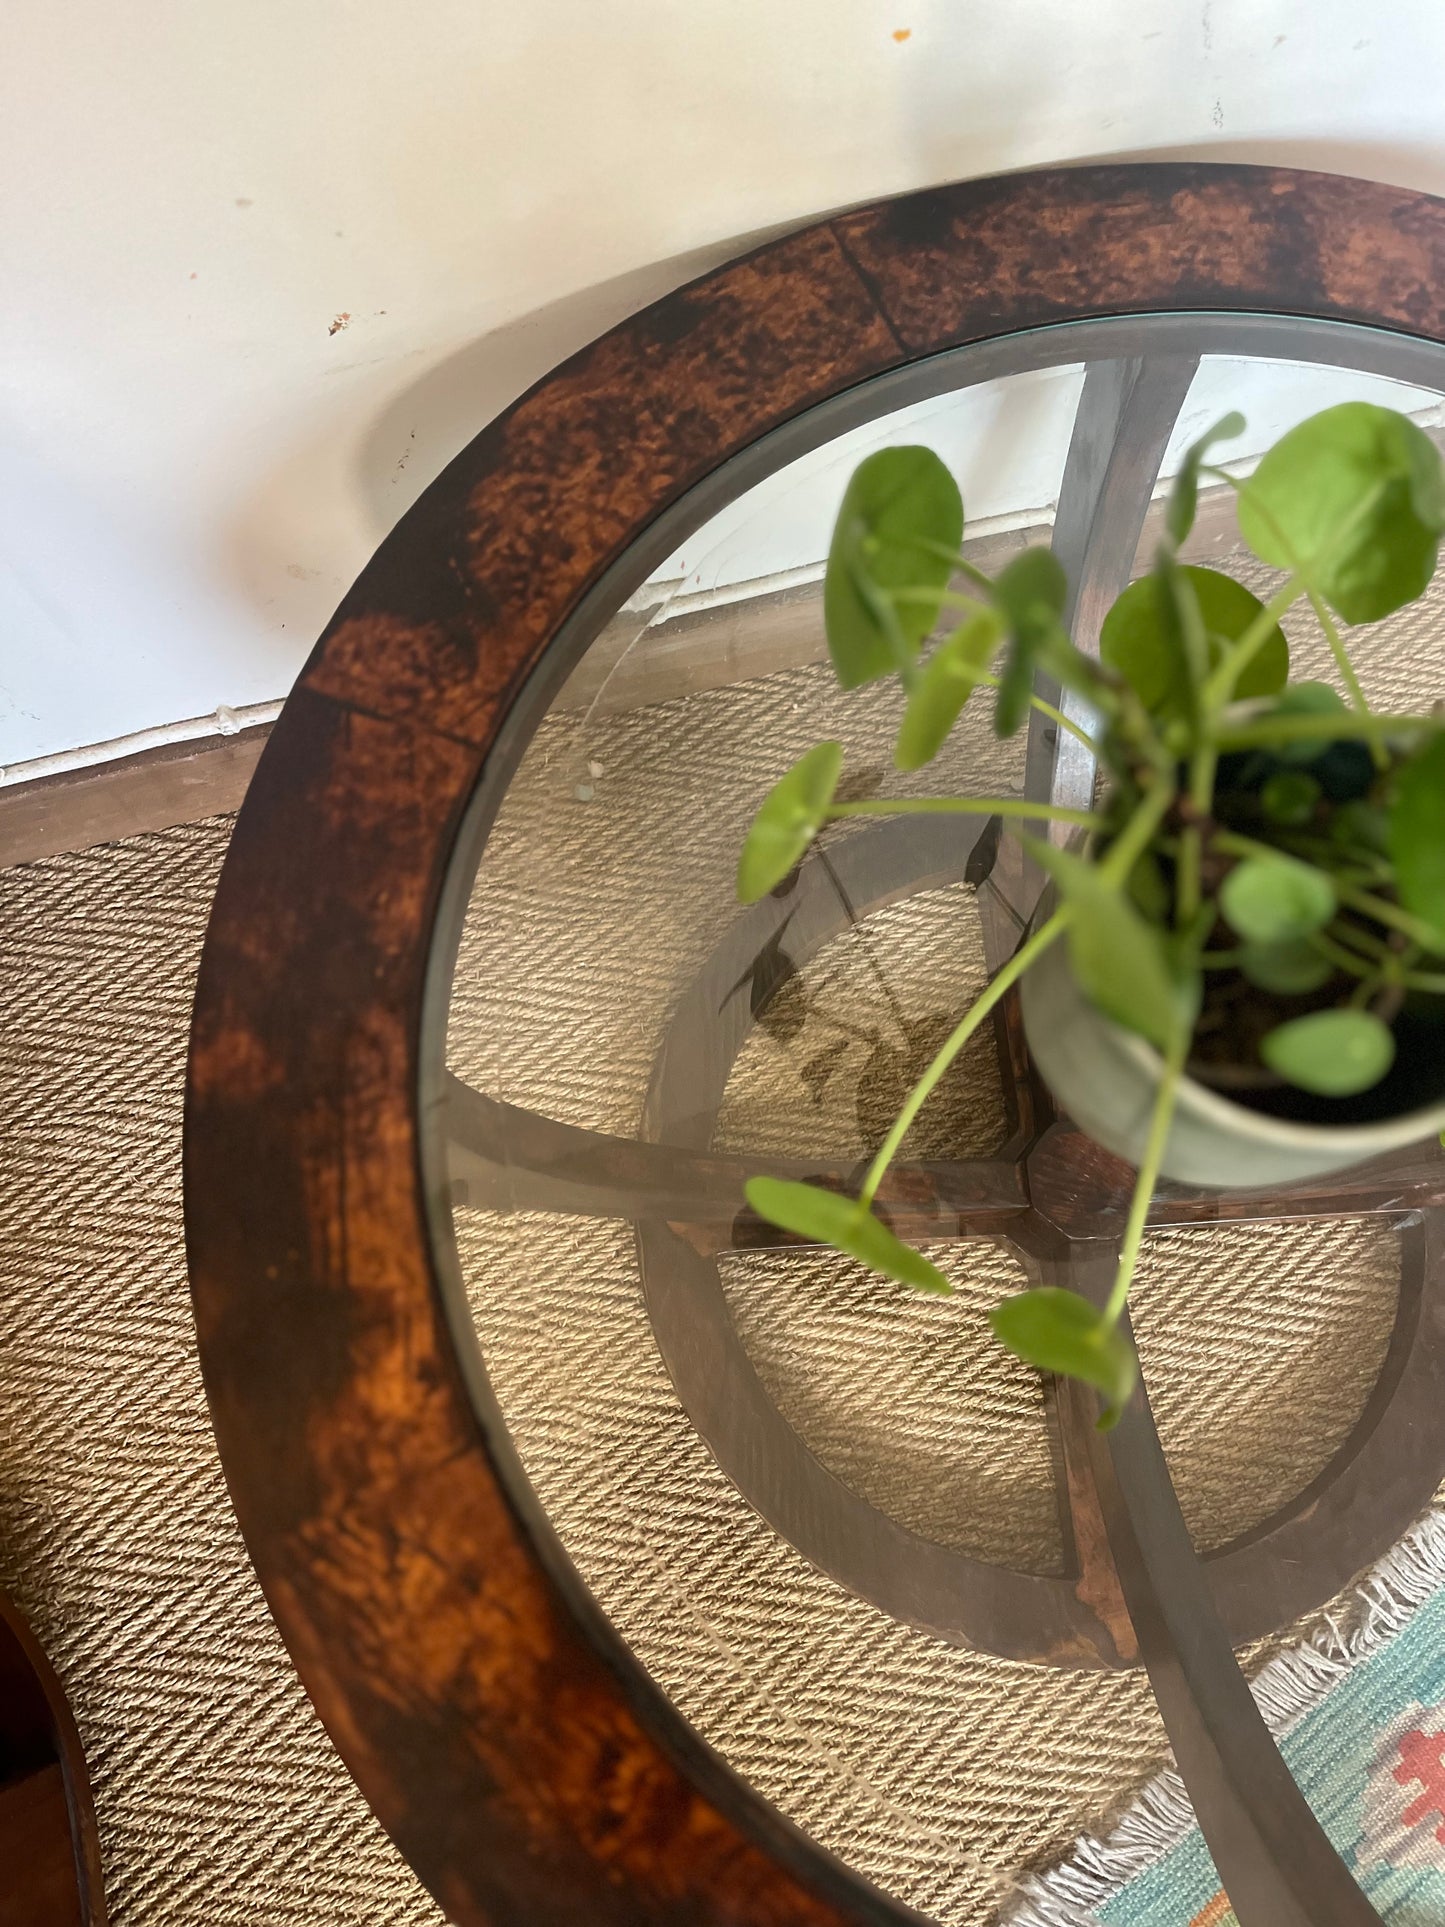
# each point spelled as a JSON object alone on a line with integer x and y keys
{"x": 49, "y": 1846}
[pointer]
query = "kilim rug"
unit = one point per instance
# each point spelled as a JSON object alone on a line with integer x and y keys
{"x": 1359, "y": 1711}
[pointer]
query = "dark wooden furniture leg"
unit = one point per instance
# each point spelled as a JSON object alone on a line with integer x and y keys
{"x": 1275, "y": 1860}
{"x": 49, "y": 1846}
{"x": 1273, "y": 1857}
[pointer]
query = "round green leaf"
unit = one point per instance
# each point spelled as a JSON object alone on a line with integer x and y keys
{"x": 1135, "y": 640}
{"x": 1121, "y": 961}
{"x": 1305, "y": 699}
{"x": 1417, "y": 834}
{"x": 1310, "y": 699}
{"x": 1334, "y": 1053}
{"x": 1354, "y": 497}
{"x": 1148, "y": 892}
{"x": 898, "y": 500}
{"x": 1290, "y": 796}
{"x": 791, "y": 815}
{"x": 825, "y": 1217}
{"x": 1058, "y": 1331}
{"x": 1184, "y": 496}
{"x": 1287, "y": 969}
{"x": 1361, "y": 828}
{"x": 1276, "y": 899}
{"x": 1031, "y": 593}
{"x": 949, "y": 678}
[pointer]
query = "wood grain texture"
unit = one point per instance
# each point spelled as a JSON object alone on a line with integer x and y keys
{"x": 492, "y": 1739}
{"x": 965, "y": 262}
{"x": 49, "y": 1847}
{"x": 496, "y": 1740}
{"x": 525, "y": 518}
{"x": 128, "y": 796}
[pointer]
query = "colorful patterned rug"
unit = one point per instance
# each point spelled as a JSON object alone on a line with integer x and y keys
{"x": 1359, "y": 1711}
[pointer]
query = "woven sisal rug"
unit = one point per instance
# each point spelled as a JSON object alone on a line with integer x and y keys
{"x": 944, "y": 1775}
{"x": 220, "y": 1800}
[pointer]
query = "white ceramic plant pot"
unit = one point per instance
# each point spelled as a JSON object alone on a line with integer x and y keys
{"x": 1105, "y": 1079}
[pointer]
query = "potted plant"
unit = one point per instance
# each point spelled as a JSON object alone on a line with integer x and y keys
{"x": 1238, "y": 971}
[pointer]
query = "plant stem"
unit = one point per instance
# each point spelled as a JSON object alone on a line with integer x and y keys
{"x": 960, "y": 562}
{"x": 1359, "y": 940}
{"x": 987, "y": 680}
{"x": 1091, "y": 676}
{"x": 1019, "y": 806}
{"x": 1056, "y": 715}
{"x": 1133, "y": 839}
{"x": 1147, "y": 1178}
{"x": 1137, "y": 726}
{"x": 1392, "y": 916}
{"x": 1365, "y": 862}
{"x": 1398, "y": 967}
{"x": 947, "y": 599}
{"x": 944, "y": 598}
{"x": 880, "y": 604}
{"x": 1007, "y": 977}
{"x": 1343, "y": 959}
{"x": 1236, "y": 659}
{"x": 1191, "y": 851}
{"x": 1366, "y": 873}
{"x": 1201, "y": 778}
{"x": 1347, "y": 672}
{"x": 1189, "y": 892}
{"x": 971, "y": 572}
{"x": 1231, "y": 843}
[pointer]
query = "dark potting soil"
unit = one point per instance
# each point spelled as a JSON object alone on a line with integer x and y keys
{"x": 1237, "y": 1015}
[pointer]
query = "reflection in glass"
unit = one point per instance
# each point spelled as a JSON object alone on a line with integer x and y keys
{"x": 603, "y": 900}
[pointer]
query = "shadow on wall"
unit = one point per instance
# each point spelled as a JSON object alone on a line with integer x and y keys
{"x": 1419, "y": 168}
{"x": 311, "y": 526}
{"x": 421, "y": 429}
{"x": 306, "y": 533}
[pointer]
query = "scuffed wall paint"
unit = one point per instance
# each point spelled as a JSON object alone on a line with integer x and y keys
{"x": 268, "y": 266}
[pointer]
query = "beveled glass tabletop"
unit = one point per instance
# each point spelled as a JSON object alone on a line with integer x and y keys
{"x": 869, "y": 1559}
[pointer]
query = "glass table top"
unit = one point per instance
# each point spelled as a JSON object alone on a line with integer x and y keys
{"x": 828, "y": 1517}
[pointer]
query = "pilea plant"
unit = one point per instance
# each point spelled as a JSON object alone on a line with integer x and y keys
{"x": 1261, "y": 891}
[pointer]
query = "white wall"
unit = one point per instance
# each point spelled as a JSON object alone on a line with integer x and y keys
{"x": 195, "y": 465}
{"x": 1006, "y": 442}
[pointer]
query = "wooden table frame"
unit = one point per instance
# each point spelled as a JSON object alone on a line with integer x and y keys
{"x": 519, "y": 1757}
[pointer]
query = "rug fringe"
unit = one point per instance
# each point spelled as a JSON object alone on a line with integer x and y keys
{"x": 1287, "y": 1688}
